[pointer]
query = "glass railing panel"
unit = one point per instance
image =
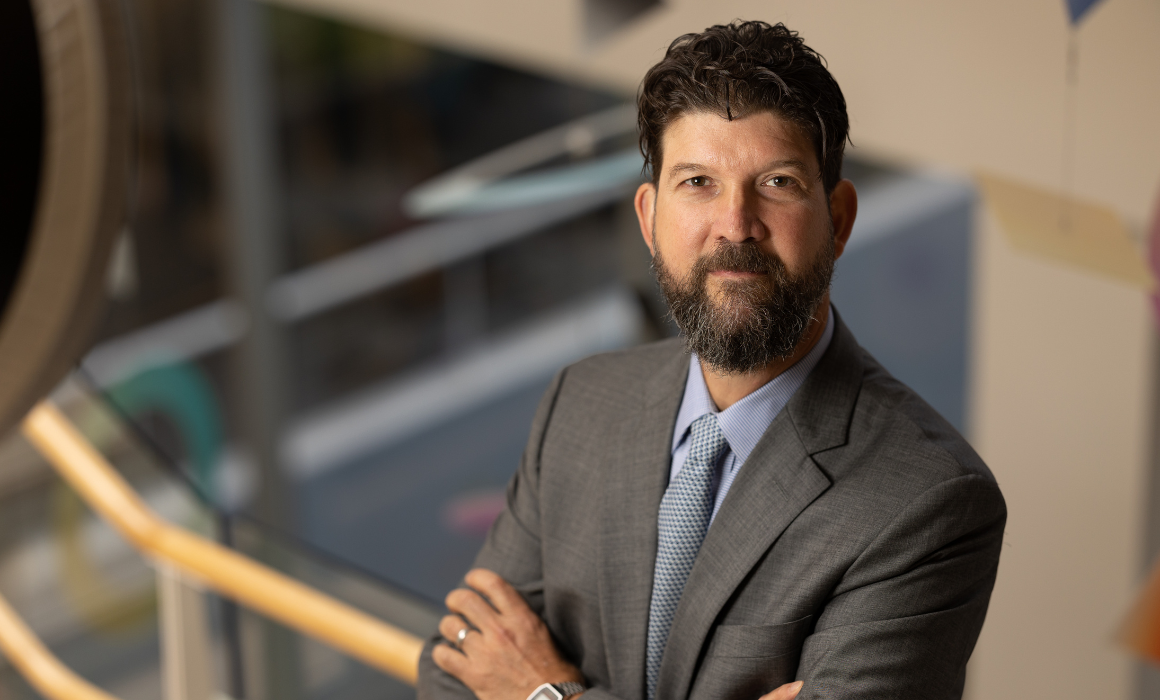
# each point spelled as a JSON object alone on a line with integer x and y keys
{"x": 305, "y": 666}
{"x": 93, "y": 598}
{"x": 279, "y": 663}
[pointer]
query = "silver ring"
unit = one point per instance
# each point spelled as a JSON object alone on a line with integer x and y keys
{"x": 462, "y": 634}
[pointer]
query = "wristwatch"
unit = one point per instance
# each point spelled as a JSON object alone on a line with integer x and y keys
{"x": 556, "y": 691}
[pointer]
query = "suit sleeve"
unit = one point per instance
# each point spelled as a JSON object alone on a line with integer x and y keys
{"x": 904, "y": 619}
{"x": 512, "y": 548}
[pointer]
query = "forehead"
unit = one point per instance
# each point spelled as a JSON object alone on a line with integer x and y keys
{"x": 751, "y": 142}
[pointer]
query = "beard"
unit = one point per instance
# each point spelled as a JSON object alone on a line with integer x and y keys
{"x": 751, "y": 322}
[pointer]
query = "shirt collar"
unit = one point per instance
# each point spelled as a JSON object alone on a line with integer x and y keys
{"x": 745, "y": 422}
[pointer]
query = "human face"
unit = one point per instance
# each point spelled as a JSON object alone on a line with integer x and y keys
{"x": 759, "y": 319}
{"x": 731, "y": 194}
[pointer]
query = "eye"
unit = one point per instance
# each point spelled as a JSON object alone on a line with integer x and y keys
{"x": 699, "y": 181}
{"x": 780, "y": 181}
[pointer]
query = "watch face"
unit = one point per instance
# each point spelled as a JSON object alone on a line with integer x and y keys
{"x": 545, "y": 692}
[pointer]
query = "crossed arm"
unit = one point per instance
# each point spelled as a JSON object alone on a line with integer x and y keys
{"x": 506, "y": 650}
{"x": 901, "y": 623}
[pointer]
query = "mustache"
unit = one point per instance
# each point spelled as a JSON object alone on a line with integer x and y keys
{"x": 738, "y": 257}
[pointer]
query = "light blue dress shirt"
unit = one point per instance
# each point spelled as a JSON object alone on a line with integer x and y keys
{"x": 744, "y": 422}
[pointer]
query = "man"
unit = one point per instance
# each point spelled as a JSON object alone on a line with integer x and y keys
{"x": 760, "y": 503}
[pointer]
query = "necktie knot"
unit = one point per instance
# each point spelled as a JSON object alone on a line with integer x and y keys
{"x": 706, "y": 441}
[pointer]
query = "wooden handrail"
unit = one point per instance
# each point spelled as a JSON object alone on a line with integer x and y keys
{"x": 37, "y": 664}
{"x": 232, "y": 574}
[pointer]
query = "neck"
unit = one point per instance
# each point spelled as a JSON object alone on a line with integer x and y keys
{"x": 727, "y": 389}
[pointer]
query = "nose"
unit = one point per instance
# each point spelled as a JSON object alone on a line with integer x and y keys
{"x": 737, "y": 219}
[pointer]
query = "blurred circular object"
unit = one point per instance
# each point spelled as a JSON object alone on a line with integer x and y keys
{"x": 64, "y": 169}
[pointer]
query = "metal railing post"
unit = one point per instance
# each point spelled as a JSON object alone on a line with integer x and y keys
{"x": 186, "y": 670}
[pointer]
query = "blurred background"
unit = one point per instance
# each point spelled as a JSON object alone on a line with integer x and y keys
{"x": 365, "y": 234}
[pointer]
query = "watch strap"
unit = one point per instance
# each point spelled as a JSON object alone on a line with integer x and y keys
{"x": 569, "y": 688}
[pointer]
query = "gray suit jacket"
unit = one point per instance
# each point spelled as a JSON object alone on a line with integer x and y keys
{"x": 856, "y": 549}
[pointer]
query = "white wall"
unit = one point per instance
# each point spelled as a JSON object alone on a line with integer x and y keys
{"x": 1060, "y": 413}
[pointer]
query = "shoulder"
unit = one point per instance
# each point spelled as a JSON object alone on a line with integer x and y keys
{"x": 633, "y": 362}
{"x": 893, "y": 426}
{"x": 626, "y": 374}
{"x": 607, "y": 392}
{"x": 874, "y": 436}
{"x": 904, "y": 457}
{"x": 903, "y": 483}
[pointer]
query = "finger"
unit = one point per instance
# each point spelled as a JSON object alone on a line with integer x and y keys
{"x": 450, "y": 660}
{"x": 450, "y": 626}
{"x": 473, "y": 608}
{"x": 789, "y": 691}
{"x": 501, "y": 594}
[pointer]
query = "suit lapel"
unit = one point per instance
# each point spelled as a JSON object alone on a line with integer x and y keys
{"x": 635, "y": 480}
{"x": 777, "y": 482}
{"x": 822, "y": 409}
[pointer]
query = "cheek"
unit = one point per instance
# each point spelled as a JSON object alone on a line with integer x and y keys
{"x": 680, "y": 233}
{"x": 799, "y": 235}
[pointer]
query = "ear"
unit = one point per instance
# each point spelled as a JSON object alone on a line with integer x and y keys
{"x": 645, "y": 203}
{"x": 843, "y": 211}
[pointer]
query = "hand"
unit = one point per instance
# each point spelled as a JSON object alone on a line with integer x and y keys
{"x": 789, "y": 691}
{"x": 508, "y": 651}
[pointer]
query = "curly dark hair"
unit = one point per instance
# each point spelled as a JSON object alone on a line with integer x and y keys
{"x": 738, "y": 68}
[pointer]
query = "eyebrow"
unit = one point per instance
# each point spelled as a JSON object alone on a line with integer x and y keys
{"x": 786, "y": 163}
{"x": 790, "y": 163}
{"x": 685, "y": 167}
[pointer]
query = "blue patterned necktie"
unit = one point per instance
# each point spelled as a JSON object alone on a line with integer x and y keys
{"x": 681, "y": 526}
